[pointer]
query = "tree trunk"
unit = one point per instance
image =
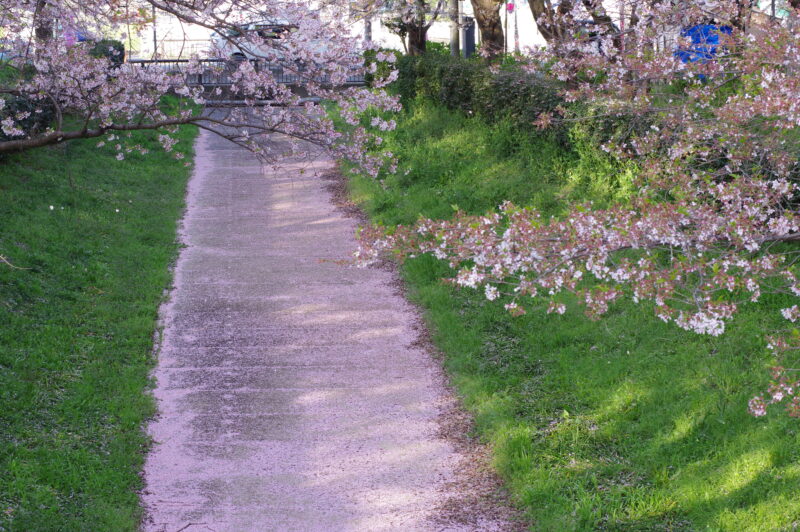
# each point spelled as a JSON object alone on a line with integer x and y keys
{"x": 418, "y": 29}
{"x": 551, "y": 22}
{"x": 452, "y": 8}
{"x": 417, "y": 39}
{"x": 555, "y": 23}
{"x": 742, "y": 18}
{"x": 487, "y": 15}
{"x": 42, "y": 22}
{"x": 604, "y": 20}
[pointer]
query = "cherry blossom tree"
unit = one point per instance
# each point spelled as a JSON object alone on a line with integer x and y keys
{"x": 487, "y": 17}
{"x": 91, "y": 97}
{"x": 412, "y": 20}
{"x": 713, "y": 125}
{"x": 557, "y": 21}
{"x": 567, "y": 19}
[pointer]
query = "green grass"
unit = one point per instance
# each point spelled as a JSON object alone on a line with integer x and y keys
{"x": 622, "y": 424}
{"x": 77, "y": 325}
{"x": 445, "y": 162}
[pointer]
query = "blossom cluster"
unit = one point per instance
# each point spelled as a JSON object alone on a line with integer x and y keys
{"x": 670, "y": 255}
{"x": 783, "y": 389}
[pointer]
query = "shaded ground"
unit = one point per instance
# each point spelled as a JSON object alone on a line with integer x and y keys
{"x": 294, "y": 392}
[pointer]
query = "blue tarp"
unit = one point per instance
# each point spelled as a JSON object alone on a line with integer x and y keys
{"x": 705, "y": 42}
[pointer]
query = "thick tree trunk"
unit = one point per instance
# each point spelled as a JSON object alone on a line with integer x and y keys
{"x": 418, "y": 29}
{"x": 417, "y": 39}
{"x": 487, "y": 15}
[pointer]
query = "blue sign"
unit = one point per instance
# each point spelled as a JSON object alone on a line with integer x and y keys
{"x": 705, "y": 42}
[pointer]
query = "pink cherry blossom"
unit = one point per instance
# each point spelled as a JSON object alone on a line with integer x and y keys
{"x": 100, "y": 99}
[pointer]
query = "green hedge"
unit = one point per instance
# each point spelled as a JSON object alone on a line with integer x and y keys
{"x": 39, "y": 114}
{"x": 511, "y": 98}
{"x": 112, "y": 49}
{"x": 468, "y": 85}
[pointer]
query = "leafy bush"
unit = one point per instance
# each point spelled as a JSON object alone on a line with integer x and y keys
{"x": 408, "y": 74}
{"x": 462, "y": 83}
{"x": 519, "y": 96}
{"x": 440, "y": 48}
{"x": 439, "y": 78}
{"x": 383, "y": 68}
{"x": 469, "y": 85}
{"x": 110, "y": 48}
{"x": 597, "y": 173}
{"x": 38, "y": 115}
{"x": 512, "y": 100}
{"x": 592, "y": 135}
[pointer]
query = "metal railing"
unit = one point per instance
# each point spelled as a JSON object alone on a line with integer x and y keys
{"x": 217, "y": 72}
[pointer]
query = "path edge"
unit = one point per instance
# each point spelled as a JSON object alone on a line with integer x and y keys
{"x": 481, "y": 491}
{"x": 158, "y": 333}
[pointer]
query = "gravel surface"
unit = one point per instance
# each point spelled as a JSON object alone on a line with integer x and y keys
{"x": 296, "y": 392}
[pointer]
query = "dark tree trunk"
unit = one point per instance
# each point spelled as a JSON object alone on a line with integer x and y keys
{"x": 487, "y": 15}
{"x": 742, "y": 18}
{"x": 418, "y": 29}
{"x": 42, "y": 22}
{"x": 552, "y": 22}
{"x": 417, "y": 39}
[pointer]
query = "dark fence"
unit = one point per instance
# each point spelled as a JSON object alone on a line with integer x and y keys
{"x": 217, "y": 72}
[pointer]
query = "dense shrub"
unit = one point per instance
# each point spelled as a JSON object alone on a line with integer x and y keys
{"x": 461, "y": 84}
{"x": 511, "y": 99}
{"x": 112, "y": 49}
{"x": 38, "y": 115}
{"x": 408, "y": 72}
{"x": 519, "y": 96}
{"x": 469, "y": 85}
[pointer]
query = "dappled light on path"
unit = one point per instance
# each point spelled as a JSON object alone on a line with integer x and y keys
{"x": 292, "y": 392}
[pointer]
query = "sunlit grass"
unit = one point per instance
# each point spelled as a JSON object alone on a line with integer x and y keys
{"x": 623, "y": 424}
{"x": 92, "y": 238}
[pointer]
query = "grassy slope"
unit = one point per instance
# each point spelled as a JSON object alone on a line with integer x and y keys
{"x": 623, "y": 424}
{"x": 76, "y": 328}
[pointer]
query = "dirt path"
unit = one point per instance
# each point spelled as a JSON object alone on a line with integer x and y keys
{"x": 293, "y": 392}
